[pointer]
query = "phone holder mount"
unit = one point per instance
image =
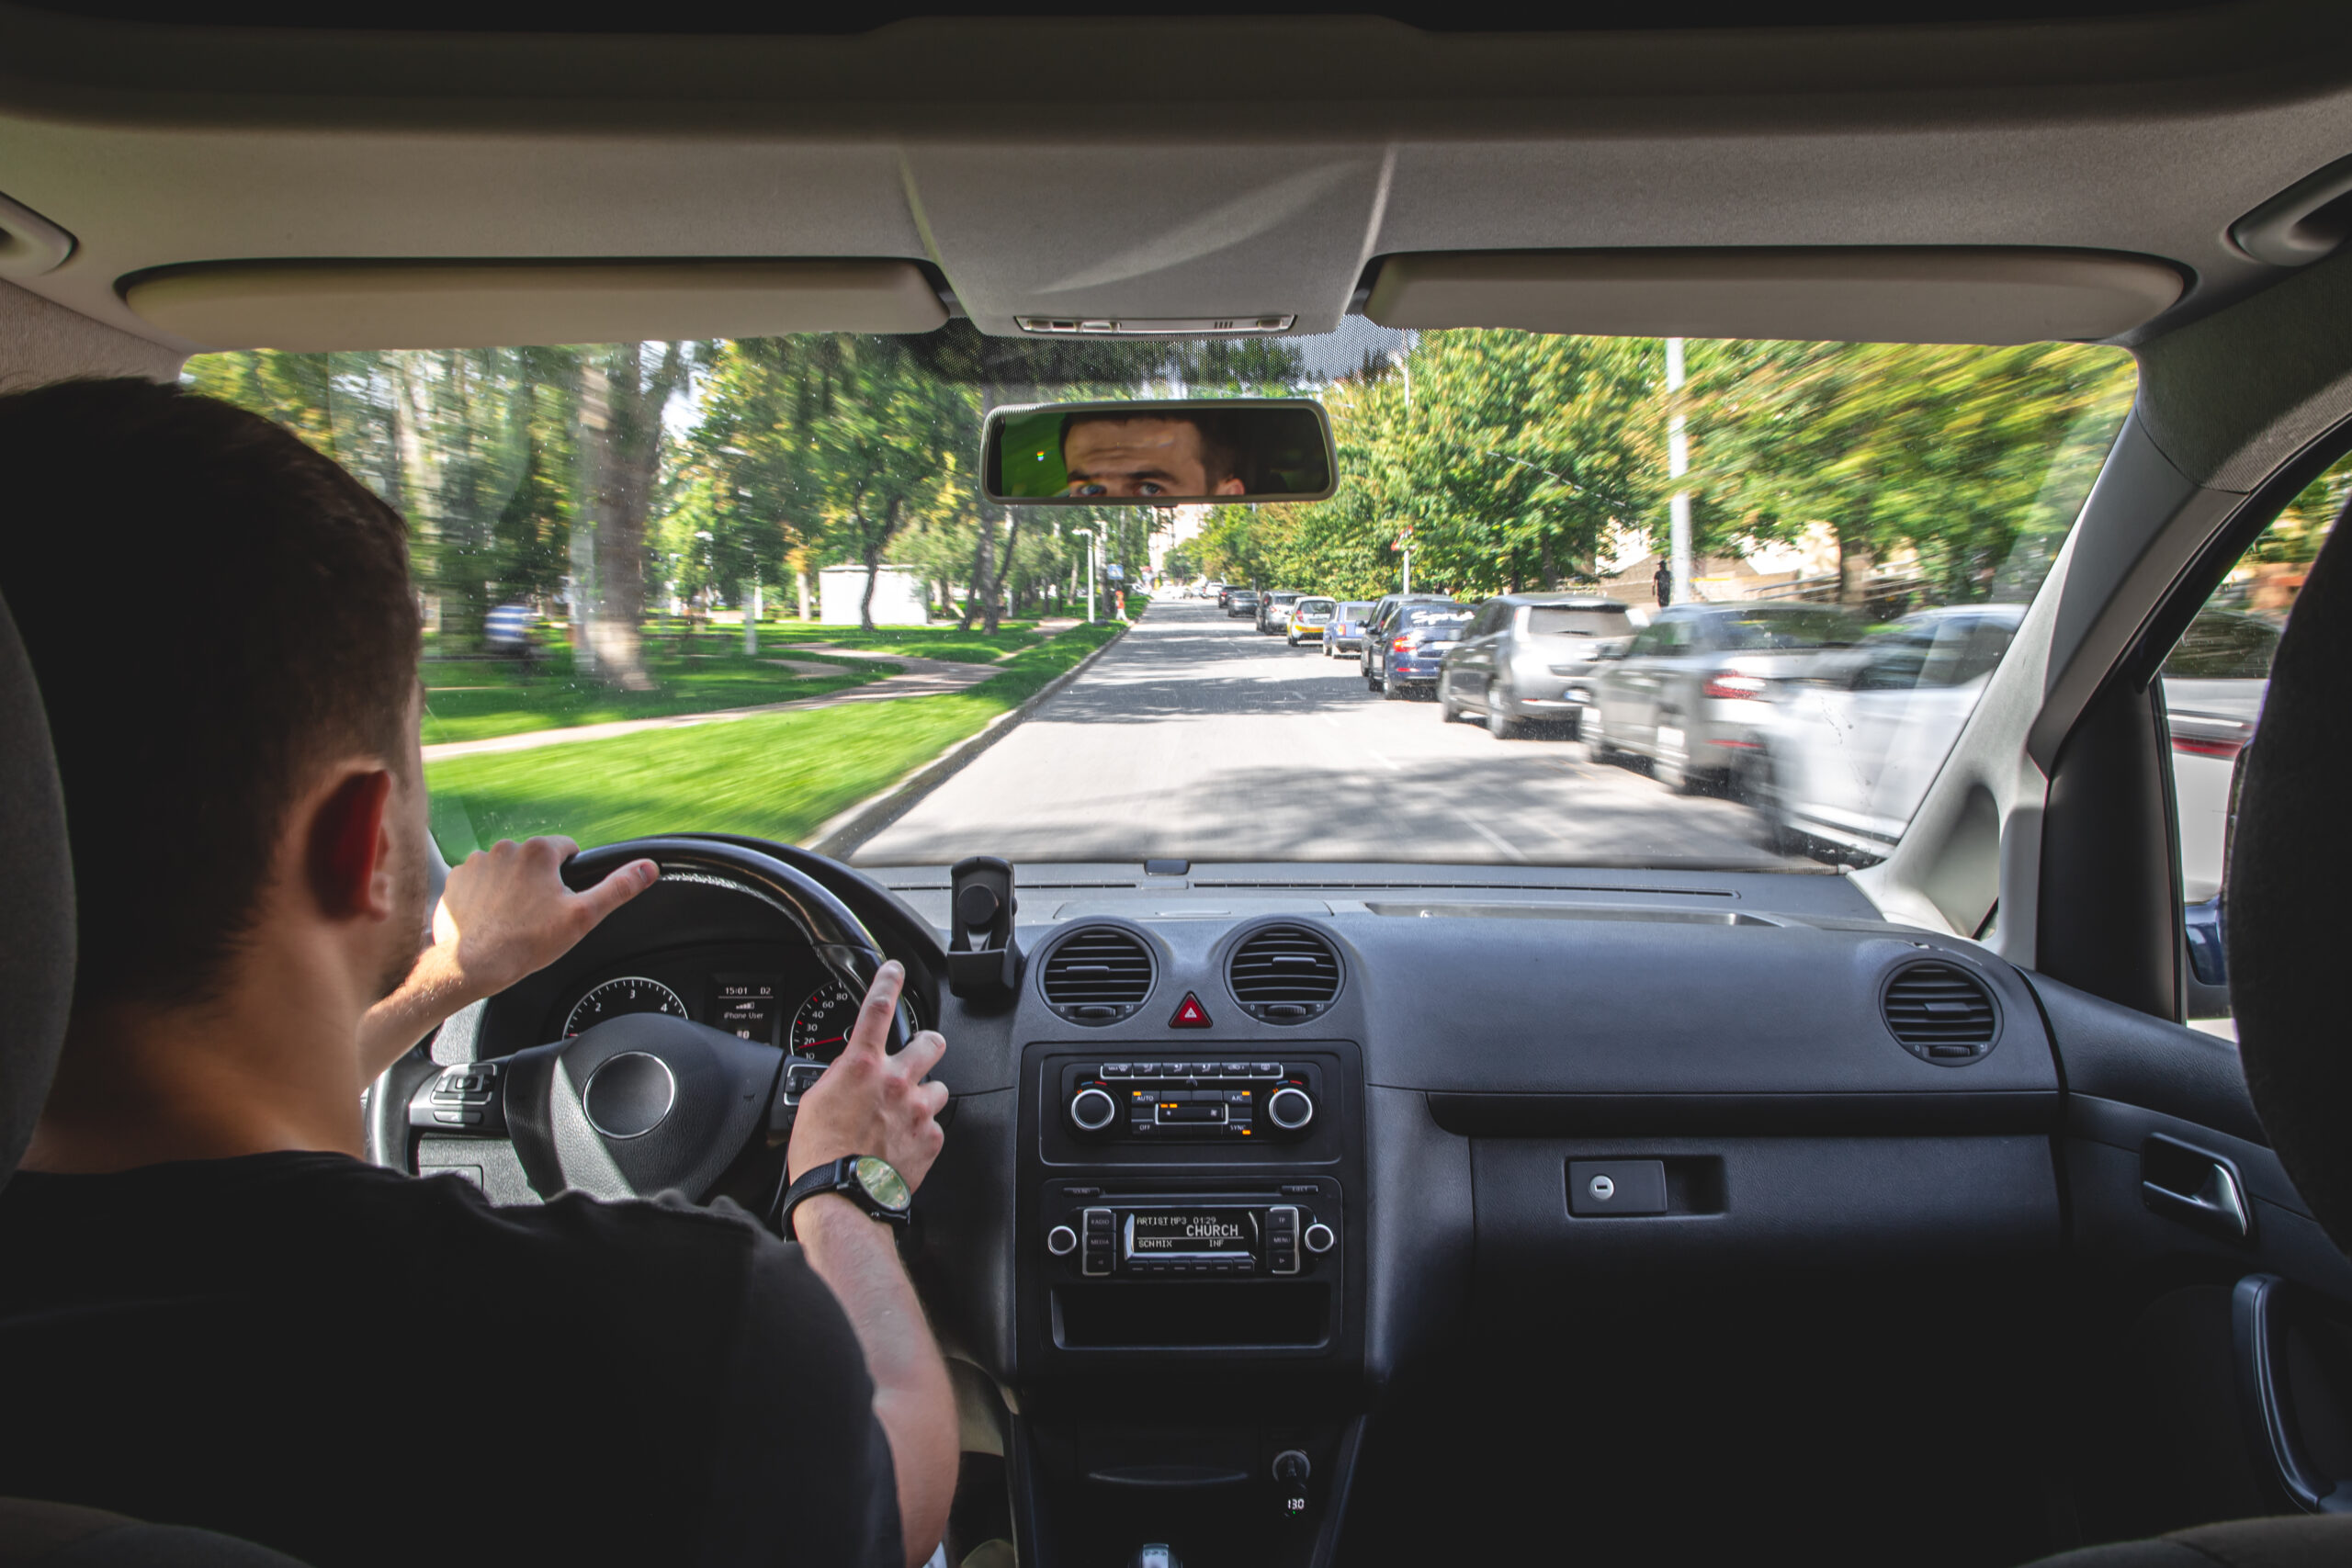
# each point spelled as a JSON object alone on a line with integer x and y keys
{"x": 983, "y": 960}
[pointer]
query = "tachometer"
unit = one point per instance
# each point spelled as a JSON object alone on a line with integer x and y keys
{"x": 821, "y": 1026}
{"x": 616, "y": 998}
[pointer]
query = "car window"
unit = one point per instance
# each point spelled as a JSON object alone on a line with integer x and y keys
{"x": 1353, "y": 609}
{"x": 2214, "y": 682}
{"x": 1316, "y": 606}
{"x": 1765, "y": 632}
{"x": 744, "y": 585}
{"x": 1553, "y": 620}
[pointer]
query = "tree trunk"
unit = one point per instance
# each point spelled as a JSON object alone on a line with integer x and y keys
{"x": 979, "y": 584}
{"x": 629, "y": 452}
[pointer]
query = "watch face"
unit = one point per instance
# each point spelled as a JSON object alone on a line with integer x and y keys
{"x": 883, "y": 1183}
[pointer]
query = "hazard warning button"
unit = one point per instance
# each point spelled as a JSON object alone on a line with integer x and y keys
{"x": 1190, "y": 1014}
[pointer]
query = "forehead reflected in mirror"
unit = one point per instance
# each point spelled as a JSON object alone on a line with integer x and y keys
{"x": 1110, "y": 455}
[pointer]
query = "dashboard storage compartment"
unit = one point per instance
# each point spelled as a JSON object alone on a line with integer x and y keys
{"x": 1192, "y": 1316}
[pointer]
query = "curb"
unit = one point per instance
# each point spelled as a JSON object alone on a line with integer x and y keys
{"x": 840, "y": 835}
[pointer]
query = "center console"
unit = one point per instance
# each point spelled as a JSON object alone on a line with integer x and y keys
{"x": 1189, "y": 1299}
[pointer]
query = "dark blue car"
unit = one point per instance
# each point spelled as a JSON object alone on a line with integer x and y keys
{"x": 1413, "y": 644}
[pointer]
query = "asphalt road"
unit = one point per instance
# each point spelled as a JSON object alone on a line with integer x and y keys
{"x": 1194, "y": 737}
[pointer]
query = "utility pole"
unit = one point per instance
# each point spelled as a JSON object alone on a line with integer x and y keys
{"x": 1090, "y": 573}
{"x": 1678, "y": 463}
{"x": 752, "y": 619}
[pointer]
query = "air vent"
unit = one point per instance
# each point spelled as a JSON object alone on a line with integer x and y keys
{"x": 1283, "y": 975}
{"x": 1941, "y": 1013}
{"x": 1100, "y": 975}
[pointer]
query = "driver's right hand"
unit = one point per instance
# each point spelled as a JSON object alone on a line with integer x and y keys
{"x": 870, "y": 1102}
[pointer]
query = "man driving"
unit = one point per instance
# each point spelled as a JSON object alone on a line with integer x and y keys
{"x": 1149, "y": 457}
{"x": 212, "y": 1310}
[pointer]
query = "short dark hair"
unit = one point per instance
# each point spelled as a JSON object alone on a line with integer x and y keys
{"x": 1220, "y": 436}
{"x": 284, "y": 631}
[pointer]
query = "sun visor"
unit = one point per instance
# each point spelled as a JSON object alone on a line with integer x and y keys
{"x": 313, "y": 307}
{"x": 1837, "y": 293}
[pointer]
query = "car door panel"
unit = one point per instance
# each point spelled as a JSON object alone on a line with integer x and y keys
{"x": 2186, "y": 1418}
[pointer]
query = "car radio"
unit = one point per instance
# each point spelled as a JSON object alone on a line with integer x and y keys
{"x": 1192, "y": 1240}
{"x": 1219, "y": 1100}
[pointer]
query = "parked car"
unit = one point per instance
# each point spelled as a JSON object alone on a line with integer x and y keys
{"x": 1307, "y": 619}
{"x": 1241, "y": 602}
{"x": 1345, "y": 629}
{"x": 1273, "y": 610}
{"x": 1686, "y": 691}
{"x": 1529, "y": 658}
{"x": 1414, "y": 643}
{"x": 1385, "y": 610}
{"x": 1845, "y": 750}
{"x": 2215, "y": 681}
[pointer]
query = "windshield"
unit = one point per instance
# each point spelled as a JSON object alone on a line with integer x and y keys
{"x": 1766, "y": 631}
{"x": 752, "y": 587}
{"x": 1544, "y": 620}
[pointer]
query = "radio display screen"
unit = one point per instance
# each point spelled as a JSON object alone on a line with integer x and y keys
{"x": 1192, "y": 1233}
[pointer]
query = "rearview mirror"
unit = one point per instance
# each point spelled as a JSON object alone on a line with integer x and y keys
{"x": 1163, "y": 453}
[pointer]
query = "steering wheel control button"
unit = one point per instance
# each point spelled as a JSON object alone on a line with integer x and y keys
{"x": 467, "y": 1097}
{"x": 629, "y": 1095}
{"x": 1093, "y": 1109}
{"x": 1290, "y": 1108}
{"x": 1061, "y": 1241}
{"x": 1599, "y": 1189}
{"x": 1319, "y": 1238}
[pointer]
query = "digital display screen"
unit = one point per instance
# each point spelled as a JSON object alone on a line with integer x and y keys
{"x": 1192, "y": 1233}
{"x": 744, "y": 1006}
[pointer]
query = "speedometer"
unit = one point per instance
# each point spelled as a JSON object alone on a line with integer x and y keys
{"x": 616, "y": 998}
{"x": 821, "y": 1026}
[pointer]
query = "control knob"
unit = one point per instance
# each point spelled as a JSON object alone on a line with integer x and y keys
{"x": 1093, "y": 1109}
{"x": 1320, "y": 1237}
{"x": 1290, "y": 1108}
{"x": 1061, "y": 1241}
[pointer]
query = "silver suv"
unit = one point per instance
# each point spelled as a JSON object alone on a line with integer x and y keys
{"x": 1529, "y": 658}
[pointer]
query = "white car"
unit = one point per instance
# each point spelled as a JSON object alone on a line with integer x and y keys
{"x": 1844, "y": 752}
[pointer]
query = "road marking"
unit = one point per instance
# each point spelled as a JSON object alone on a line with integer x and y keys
{"x": 1384, "y": 762}
{"x": 1492, "y": 837}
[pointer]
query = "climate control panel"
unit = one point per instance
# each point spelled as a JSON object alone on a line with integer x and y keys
{"x": 1221, "y": 1102}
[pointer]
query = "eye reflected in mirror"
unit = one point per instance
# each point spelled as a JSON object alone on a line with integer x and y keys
{"x": 1162, "y": 453}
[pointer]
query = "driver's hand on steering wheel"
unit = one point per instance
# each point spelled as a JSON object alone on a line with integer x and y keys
{"x": 504, "y": 914}
{"x": 869, "y": 1103}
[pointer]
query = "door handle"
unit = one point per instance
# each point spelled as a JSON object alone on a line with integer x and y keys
{"x": 2258, "y": 1339}
{"x": 2195, "y": 1186}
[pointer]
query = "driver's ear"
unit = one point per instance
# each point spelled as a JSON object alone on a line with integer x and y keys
{"x": 1231, "y": 486}
{"x": 350, "y": 847}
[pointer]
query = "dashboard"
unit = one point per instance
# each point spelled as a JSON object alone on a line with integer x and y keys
{"x": 1344, "y": 1125}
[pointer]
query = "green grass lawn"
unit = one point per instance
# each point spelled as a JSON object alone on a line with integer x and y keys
{"x": 777, "y": 776}
{"x": 467, "y": 699}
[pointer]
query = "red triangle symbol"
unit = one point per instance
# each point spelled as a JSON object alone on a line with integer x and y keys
{"x": 1191, "y": 1015}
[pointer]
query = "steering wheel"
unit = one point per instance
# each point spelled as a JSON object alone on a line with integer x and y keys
{"x": 647, "y": 1102}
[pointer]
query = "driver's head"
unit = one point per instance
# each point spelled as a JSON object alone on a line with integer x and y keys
{"x": 1150, "y": 455}
{"x": 226, "y": 640}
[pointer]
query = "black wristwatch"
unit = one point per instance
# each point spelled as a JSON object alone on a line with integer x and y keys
{"x": 872, "y": 1184}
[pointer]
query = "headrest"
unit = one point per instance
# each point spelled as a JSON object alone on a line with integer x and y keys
{"x": 2289, "y": 919}
{"x": 37, "y": 914}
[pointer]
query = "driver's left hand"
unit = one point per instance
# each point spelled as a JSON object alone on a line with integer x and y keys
{"x": 504, "y": 914}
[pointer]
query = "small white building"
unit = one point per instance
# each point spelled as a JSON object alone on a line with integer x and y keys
{"x": 898, "y": 596}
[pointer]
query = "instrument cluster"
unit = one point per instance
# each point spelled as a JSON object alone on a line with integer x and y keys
{"x": 777, "y": 997}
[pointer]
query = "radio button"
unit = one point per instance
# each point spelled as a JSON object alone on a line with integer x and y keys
{"x": 1061, "y": 1241}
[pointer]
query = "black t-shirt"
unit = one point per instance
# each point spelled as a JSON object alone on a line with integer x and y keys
{"x": 358, "y": 1367}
